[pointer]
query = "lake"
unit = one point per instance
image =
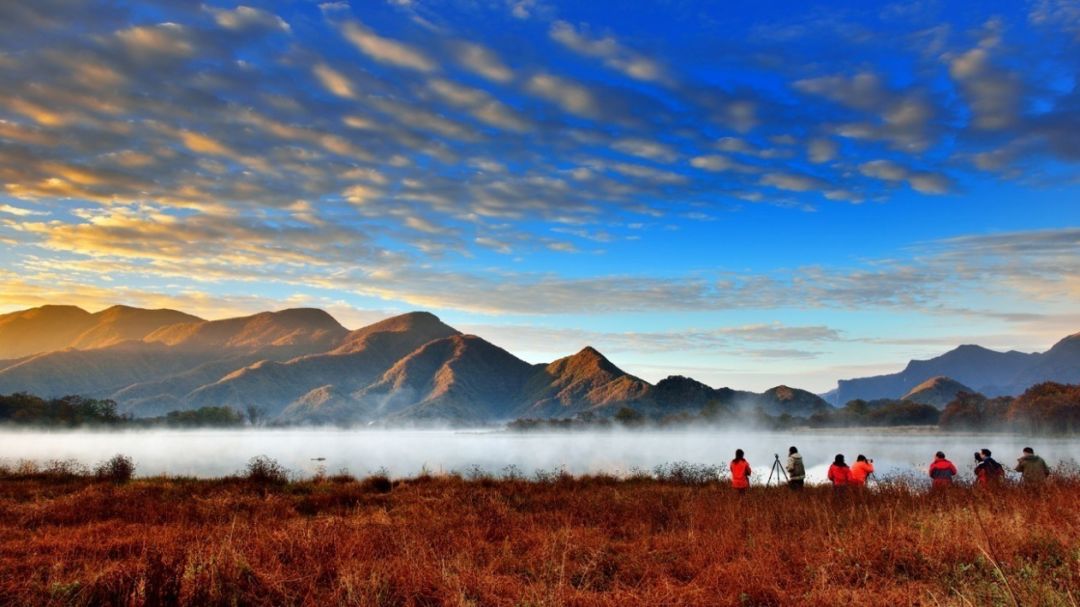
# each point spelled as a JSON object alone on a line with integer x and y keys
{"x": 209, "y": 453}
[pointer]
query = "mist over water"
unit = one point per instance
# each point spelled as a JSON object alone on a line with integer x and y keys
{"x": 401, "y": 453}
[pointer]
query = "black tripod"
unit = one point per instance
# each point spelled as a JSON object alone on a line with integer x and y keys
{"x": 777, "y": 470}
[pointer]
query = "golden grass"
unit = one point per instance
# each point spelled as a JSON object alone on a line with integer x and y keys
{"x": 564, "y": 541}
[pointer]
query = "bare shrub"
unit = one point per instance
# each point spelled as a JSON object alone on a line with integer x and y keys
{"x": 119, "y": 469}
{"x": 264, "y": 470}
{"x": 380, "y": 483}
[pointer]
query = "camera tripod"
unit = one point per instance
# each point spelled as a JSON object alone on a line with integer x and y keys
{"x": 777, "y": 471}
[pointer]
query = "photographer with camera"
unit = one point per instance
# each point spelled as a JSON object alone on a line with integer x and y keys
{"x": 863, "y": 468}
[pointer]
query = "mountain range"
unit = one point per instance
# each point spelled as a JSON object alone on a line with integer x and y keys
{"x": 302, "y": 366}
{"x": 986, "y": 371}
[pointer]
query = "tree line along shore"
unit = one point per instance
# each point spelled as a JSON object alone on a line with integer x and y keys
{"x": 1046, "y": 408}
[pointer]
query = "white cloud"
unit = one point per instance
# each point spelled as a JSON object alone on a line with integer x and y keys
{"x": 645, "y": 148}
{"x": 924, "y": 182}
{"x": 334, "y": 81}
{"x": 522, "y": 9}
{"x": 334, "y": 7}
{"x": 821, "y": 150}
{"x": 385, "y": 50}
{"x": 613, "y": 54}
{"x": 246, "y": 17}
{"x": 483, "y": 61}
{"x": 719, "y": 163}
{"x": 480, "y": 105}
{"x": 165, "y": 39}
{"x": 422, "y": 224}
{"x": 648, "y": 173}
{"x": 901, "y": 117}
{"x": 570, "y": 96}
{"x": 993, "y": 93}
{"x": 793, "y": 182}
{"x": 19, "y": 211}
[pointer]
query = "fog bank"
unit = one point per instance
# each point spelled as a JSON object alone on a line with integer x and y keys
{"x": 211, "y": 453}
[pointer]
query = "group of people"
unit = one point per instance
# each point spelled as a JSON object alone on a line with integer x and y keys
{"x": 988, "y": 472}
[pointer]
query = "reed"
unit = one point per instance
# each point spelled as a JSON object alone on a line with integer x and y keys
{"x": 67, "y": 538}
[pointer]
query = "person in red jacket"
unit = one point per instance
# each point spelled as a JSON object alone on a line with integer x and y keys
{"x": 740, "y": 472}
{"x": 839, "y": 473}
{"x": 942, "y": 471}
{"x": 863, "y": 468}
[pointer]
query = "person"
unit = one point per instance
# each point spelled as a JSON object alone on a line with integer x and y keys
{"x": 839, "y": 473}
{"x": 988, "y": 472}
{"x": 863, "y": 468}
{"x": 796, "y": 470}
{"x": 740, "y": 472}
{"x": 1032, "y": 468}
{"x": 942, "y": 471}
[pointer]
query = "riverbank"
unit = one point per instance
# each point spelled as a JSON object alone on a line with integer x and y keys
{"x": 559, "y": 540}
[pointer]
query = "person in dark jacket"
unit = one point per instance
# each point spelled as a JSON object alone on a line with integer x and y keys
{"x": 796, "y": 470}
{"x": 988, "y": 472}
{"x": 942, "y": 471}
{"x": 1032, "y": 468}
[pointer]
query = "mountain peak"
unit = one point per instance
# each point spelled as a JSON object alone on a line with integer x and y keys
{"x": 588, "y": 360}
{"x": 424, "y": 325}
{"x": 50, "y": 310}
{"x": 1068, "y": 340}
{"x": 785, "y": 393}
{"x": 589, "y": 352}
{"x": 303, "y": 316}
{"x": 288, "y": 327}
{"x": 793, "y": 401}
{"x": 937, "y": 391}
{"x": 42, "y": 329}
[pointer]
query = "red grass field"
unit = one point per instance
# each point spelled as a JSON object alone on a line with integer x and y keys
{"x": 563, "y": 541}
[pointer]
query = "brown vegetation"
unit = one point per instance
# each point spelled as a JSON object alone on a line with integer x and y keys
{"x": 66, "y": 539}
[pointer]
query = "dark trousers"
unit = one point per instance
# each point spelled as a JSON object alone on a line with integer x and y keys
{"x": 795, "y": 484}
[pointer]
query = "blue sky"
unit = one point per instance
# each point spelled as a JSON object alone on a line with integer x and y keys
{"x": 768, "y": 193}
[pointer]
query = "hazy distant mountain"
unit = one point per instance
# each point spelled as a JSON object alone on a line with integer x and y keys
{"x": 122, "y": 323}
{"x": 1061, "y": 363}
{"x": 791, "y": 401}
{"x": 95, "y": 373}
{"x": 305, "y": 328}
{"x": 678, "y": 394}
{"x": 583, "y": 382}
{"x": 986, "y": 371}
{"x": 937, "y": 391}
{"x": 358, "y": 359}
{"x": 51, "y": 328}
{"x": 461, "y": 379}
{"x": 168, "y": 351}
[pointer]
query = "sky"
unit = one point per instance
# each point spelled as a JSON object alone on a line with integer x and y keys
{"x": 748, "y": 193}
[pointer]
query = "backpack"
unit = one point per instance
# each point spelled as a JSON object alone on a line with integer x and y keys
{"x": 798, "y": 470}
